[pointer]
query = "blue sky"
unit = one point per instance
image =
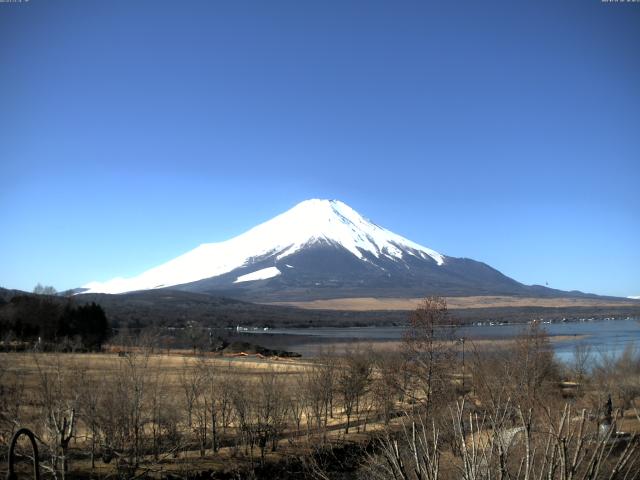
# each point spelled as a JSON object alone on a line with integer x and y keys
{"x": 507, "y": 132}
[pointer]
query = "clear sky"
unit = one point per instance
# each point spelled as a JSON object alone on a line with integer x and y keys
{"x": 133, "y": 130}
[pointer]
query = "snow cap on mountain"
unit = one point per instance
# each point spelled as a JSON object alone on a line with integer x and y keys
{"x": 308, "y": 223}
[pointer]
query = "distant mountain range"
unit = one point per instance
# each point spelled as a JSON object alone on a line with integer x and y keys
{"x": 322, "y": 249}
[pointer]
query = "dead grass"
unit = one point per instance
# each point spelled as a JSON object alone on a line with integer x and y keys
{"x": 369, "y": 303}
{"x": 171, "y": 366}
{"x": 480, "y": 345}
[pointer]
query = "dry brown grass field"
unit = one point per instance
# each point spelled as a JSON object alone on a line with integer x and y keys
{"x": 312, "y": 349}
{"x": 170, "y": 369}
{"x": 366, "y": 304}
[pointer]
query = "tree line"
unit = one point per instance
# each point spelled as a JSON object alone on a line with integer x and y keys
{"x": 51, "y": 321}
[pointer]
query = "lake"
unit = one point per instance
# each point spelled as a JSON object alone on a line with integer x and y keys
{"x": 603, "y": 336}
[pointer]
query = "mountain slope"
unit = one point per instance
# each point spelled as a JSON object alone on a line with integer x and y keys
{"x": 309, "y": 223}
{"x": 321, "y": 249}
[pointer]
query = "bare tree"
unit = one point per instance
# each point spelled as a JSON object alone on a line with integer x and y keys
{"x": 617, "y": 376}
{"x": 90, "y": 390}
{"x": 535, "y": 367}
{"x": 387, "y": 383}
{"x": 353, "y": 381}
{"x": 271, "y": 410}
{"x": 157, "y": 405}
{"x": 60, "y": 404}
{"x": 319, "y": 386}
{"x": 198, "y": 401}
{"x": 123, "y": 410}
{"x": 243, "y": 408}
{"x": 225, "y": 387}
{"x": 190, "y": 379}
{"x": 297, "y": 402}
{"x": 135, "y": 376}
{"x": 40, "y": 289}
{"x": 580, "y": 365}
{"x": 559, "y": 446}
{"x": 430, "y": 345}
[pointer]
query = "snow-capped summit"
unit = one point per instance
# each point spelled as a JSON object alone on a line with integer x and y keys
{"x": 331, "y": 221}
{"x": 310, "y": 222}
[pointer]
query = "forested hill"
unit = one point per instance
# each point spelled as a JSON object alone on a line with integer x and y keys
{"x": 51, "y": 319}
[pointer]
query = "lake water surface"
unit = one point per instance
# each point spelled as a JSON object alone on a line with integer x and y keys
{"x": 603, "y": 336}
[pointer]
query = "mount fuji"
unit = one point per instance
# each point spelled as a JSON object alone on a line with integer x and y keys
{"x": 321, "y": 249}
